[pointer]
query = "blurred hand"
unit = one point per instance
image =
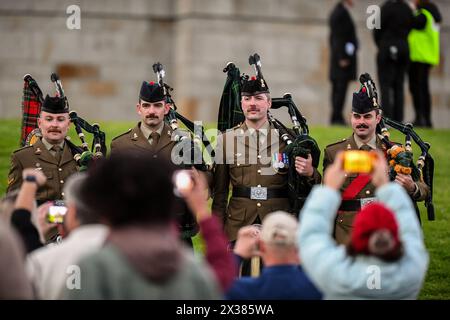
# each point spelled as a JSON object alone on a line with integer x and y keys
{"x": 406, "y": 181}
{"x": 380, "y": 175}
{"x": 344, "y": 63}
{"x": 197, "y": 197}
{"x": 42, "y": 225}
{"x": 304, "y": 166}
{"x": 334, "y": 175}
{"x": 247, "y": 242}
{"x": 40, "y": 176}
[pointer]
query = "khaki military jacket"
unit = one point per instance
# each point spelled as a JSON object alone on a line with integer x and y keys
{"x": 37, "y": 156}
{"x": 234, "y": 167}
{"x": 134, "y": 139}
{"x": 344, "y": 219}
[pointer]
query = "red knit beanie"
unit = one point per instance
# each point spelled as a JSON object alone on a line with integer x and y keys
{"x": 375, "y": 231}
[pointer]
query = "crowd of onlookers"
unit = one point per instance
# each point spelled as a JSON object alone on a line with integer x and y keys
{"x": 119, "y": 240}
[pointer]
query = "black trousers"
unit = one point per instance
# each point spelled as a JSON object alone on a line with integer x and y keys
{"x": 419, "y": 74}
{"x": 391, "y": 75}
{"x": 338, "y": 93}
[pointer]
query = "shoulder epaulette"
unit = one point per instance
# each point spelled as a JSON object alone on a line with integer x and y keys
{"x": 22, "y": 148}
{"x": 122, "y": 134}
{"x": 337, "y": 142}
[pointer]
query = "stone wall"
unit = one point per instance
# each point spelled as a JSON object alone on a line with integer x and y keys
{"x": 102, "y": 64}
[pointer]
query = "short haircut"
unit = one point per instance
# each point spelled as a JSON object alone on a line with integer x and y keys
{"x": 131, "y": 187}
{"x": 72, "y": 192}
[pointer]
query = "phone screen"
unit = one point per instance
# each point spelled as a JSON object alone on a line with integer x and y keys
{"x": 56, "y": 214}
{"x": 183, "y": 181}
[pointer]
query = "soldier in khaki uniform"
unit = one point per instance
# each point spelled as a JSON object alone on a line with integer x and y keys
{"x": 52, "y": 153}
{"x": 358, "y": 190}
{"x": 251, "y": 158}
{"x": 153, "y": 135}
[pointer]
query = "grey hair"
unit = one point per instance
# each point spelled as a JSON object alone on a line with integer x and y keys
{"x": 72, "y": 193}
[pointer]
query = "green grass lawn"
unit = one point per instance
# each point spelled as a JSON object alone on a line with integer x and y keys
{"x": 437, "y": 233}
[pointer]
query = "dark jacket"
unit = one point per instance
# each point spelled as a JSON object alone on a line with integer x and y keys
{"x": 342, "y": 35}
{"x": 282, "y": 282}
{"x": 397, "y": 20}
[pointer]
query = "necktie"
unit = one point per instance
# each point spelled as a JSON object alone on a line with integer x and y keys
{"x": 365, "y": 147}
{"x": 154, "y": 139}
{"x": 58, "y": 153}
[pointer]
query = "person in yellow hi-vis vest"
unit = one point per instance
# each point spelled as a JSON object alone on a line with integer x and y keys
{"x": 424, "y": 53}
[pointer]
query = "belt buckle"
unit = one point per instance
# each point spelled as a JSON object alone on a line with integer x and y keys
{"x": 366, "y": 201}
{"x": 258, "y": 193}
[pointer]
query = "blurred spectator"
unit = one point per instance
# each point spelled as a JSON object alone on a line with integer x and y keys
{"x": 397, "y": 20}
{"x": 49, "y": 267}
{"x": 386, "y": 257}
{"x": 211, "y": 230}
{"x": 7, "y": 206}
{"x": 282, "y": 276}
{"x": 13, "y": 280}
{"x": 424, "y": 53}
{"x": 343, "y": 63}
{"x": 21, "y": 217}
{"x": 143, "y": 257}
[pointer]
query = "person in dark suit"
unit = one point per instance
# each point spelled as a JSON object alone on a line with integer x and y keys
{"x": 344, "y": 46}
{"x": 397, "y": 20}
{"x": 424, "y": 54}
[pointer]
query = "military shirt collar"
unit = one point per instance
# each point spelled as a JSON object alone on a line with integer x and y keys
{"x": 372, "y": 143}
{"x": 48, "y": 145}
{"x": 264, "y": 129}
{"x": 146, "y": 131}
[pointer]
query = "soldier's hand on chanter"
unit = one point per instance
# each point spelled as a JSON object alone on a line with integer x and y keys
{"x": 406, "y": 181}
{"x": 380, "y": 170}
{"x": 304, "y": 166}
{"x": 334, "y": 176}
{"x": 38, "y": 174}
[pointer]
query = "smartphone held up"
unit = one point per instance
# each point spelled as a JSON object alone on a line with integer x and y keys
{"x": 183, "y": 182}
{"x": 57, "y": 212}
{"x": 359, "y": 161}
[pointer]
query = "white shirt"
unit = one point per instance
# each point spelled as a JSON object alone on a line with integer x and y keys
{"x": 50, "y": 267}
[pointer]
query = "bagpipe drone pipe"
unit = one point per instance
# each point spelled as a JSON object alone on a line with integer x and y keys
{"x": 189, "y": 144}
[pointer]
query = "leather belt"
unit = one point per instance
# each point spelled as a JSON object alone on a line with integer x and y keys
{"x": 260, "y": 193}
{"x": 354, "y": 205}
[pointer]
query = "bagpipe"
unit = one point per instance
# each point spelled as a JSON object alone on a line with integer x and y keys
{"x": 191, "y": 145}
{"x": 400, "y": 157}
{"x": 299, "y": 142}
{"x": 31, "y": 108}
